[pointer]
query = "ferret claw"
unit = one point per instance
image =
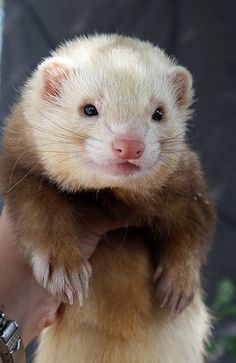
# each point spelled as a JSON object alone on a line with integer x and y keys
{"x": 62, "y": 282}
{"x": 158, "y": 273}
{"x": 173, "y": 296}
{"x": 166, "y": 298}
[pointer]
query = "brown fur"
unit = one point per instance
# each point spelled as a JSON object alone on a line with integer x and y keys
{"x": 179, "y": 216}
{"x": 137, "y": 270}
{"x": 121, "y": 321}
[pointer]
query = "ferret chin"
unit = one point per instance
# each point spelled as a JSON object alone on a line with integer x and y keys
{"x": 99, "y": 132}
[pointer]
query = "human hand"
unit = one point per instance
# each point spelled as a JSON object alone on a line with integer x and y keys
{"x": 21, "y": 298}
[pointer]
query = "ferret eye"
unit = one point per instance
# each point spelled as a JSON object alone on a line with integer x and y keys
{"x": 158, "y": 114}
{"x": 90, "y": 110}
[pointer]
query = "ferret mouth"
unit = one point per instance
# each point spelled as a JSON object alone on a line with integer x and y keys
{"x": 125, "y": 168}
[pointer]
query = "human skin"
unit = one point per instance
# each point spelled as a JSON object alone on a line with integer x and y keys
{"x": 21, "y": 297}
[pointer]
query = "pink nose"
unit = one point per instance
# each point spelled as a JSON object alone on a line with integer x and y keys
{"x": 128, "y": 149}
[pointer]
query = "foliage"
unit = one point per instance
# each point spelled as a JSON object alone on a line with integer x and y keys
{"x": 224, "y": 307}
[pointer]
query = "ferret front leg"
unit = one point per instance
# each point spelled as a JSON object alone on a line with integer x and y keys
{"x": 177, "y": 277}
{"x": 46, "y": 226}
{"x": 183, "y": 236}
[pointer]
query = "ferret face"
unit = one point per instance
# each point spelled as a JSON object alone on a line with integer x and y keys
{"x": 108, "y": 115}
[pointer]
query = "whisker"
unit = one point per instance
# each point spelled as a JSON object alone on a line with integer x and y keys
{"x": 41, "y": 150}
{"x": 20, "y": 180}
{"x": 175, "y": 136}
{"x": 170, "y": 145}
{"x": 176, "y": 139}
{"x": 172, "y": 151}
{"x": 166, "y": 157}
{"x": 167, "y": 164}
{"x": 15, "y": 165}
{"x": 56, "y": 151}
{"x": 63, "y": 128}
{"x": 54, "y": 123}
{"x": 95, "y": 138}
{"x": 172, "y": 142}
{"x": 83, "y": 159}
{"x": 56, "y": 143}
{"x": 91, "y": 145}
{"x": 53, "y": 133}
{"x": 176, "y": 153}
{"x": 28, "y": 172}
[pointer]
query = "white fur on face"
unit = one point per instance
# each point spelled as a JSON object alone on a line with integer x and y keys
{"x": 126, "y": 83}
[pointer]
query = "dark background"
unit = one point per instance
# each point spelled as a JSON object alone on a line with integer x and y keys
{"x": 200, "y": 34}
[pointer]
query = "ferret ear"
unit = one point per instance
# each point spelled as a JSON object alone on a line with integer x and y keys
{"x": 54, "y": 71}
{"x": 181, "y": 81}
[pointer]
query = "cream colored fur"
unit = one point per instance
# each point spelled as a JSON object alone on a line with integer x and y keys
{"x": 126, "y": 80}
{"x": 121, "y": 322}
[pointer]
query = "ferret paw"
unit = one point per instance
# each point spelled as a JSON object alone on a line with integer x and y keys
{"x": 62, "y": 281}
{"x": 175, "y": 288}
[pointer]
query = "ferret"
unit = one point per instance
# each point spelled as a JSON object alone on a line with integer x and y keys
{"x": 100, "y": 132}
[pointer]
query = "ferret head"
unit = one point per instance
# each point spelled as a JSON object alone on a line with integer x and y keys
{"x": 108, "y": 111}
